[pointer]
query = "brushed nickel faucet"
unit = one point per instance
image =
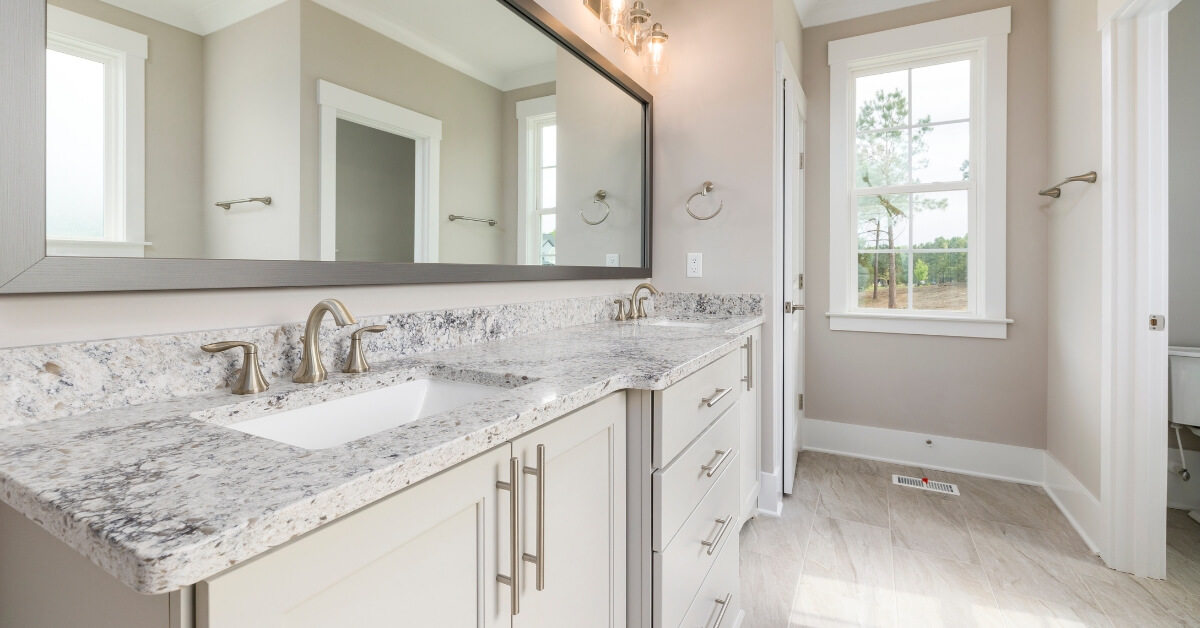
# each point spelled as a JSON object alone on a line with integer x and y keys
{"x": 637, "y": 309}
{"x": 311, "y": 369}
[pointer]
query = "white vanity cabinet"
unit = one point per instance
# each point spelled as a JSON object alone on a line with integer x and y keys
{"x": 751, "y": 407}
{"x": 430, "y": 555}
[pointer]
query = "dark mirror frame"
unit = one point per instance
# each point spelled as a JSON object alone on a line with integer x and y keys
{"x": 24, "y": 267}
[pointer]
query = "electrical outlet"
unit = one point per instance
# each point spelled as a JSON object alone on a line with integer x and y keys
{"x": 612, "y": 260}
{"x": 695, "y": 264}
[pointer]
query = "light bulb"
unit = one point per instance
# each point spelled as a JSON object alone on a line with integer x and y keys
{"x": 612, "y": 16}
{"x": 654, "y": 53}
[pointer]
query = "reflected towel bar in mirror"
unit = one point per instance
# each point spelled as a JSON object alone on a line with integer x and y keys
{"x": 598, "y": 198}
{"x": 265, "y": 200}
{"x": 489, "y": 221}
{"x": 1055, "y": 191}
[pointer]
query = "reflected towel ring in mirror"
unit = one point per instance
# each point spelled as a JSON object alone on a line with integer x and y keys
{"x": 599, "y": 198}
{"x": 704, "y": 190}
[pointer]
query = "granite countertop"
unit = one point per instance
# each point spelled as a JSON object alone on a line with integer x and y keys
{"x": 161, "y": 496}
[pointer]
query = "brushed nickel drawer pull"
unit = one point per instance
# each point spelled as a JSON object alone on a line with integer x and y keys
{"x": 712, "y": 468}
{"x": 712, "y": 545}
{"x": 718, "y": 395}
{"x": 540, "y": 558}
{"x": 749, "y": 378}
{"x": 514, "y": 537}
{"x": 724, "y": 607}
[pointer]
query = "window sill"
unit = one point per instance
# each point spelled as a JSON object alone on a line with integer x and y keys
{"x": 920, "y": 324}
{"x": 65, "y": 247}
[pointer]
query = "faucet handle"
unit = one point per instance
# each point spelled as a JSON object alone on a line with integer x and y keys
{"x": 250, "y": 379}
{"x": 620, "y": 309}
{"x": 357, "y": 361}
{"x": 641, "y": 309}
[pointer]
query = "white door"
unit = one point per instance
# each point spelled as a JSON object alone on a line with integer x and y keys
{"x": 427, "y": 556}
{"x": 580, "y": 518}
{"x": 793, "y": 268}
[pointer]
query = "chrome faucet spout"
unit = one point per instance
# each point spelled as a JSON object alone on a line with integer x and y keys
{"x": 311, "y": 369}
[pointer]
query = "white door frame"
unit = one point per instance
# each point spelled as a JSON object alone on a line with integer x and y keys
{"x": 339, "y": 103}
{"x": 1134, "y": 286}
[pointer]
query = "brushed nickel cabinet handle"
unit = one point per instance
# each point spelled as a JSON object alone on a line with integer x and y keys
{"x": 539, "y": 559}
{"x": 514, "y": 505}
{"x": 712, "y": 468}
{"x": 718, "y": 395}
{"x": 724, "y": 607}
{"x": 712, "y": 545}
{"x": 749, "y": 378}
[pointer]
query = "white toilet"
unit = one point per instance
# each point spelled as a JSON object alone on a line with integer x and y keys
{"x": 1183, "y": 406}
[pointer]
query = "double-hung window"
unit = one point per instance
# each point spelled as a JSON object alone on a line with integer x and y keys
{"x": 917, "y": 188}
{"x": 537, "y": 158}
{"x": 95, "y": 137}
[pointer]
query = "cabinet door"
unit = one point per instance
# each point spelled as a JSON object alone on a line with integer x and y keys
{"x": 751, "y": 421}
{"x": 427, "y": 556}
{"x": 581, "y": 519}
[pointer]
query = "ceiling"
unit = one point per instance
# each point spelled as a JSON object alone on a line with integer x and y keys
{"x": 484, "y": 40}
{"x": 818, "y": 12}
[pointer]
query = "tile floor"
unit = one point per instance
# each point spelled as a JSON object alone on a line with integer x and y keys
{"x": 852, "y": 549}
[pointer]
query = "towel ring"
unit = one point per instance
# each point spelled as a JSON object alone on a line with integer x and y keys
{"x": 704, "y": 190}
{"x": 599, "y": 198}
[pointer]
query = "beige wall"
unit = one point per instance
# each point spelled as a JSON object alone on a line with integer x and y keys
{"x": 988, "y": 390}
{"x": 174, "y": 128}
{"x": 1073, "y": 348}
{"x": 376, "y": 186}
{"x": 251, "y": 146}
{"x": 43, "y": 319}
{"x": 1184, "y": 87}
{"x": 789, "y": 31}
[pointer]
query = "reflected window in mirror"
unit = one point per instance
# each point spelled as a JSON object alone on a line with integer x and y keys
{"x": 537, "y": 158}
{"x": 95, "y": 129}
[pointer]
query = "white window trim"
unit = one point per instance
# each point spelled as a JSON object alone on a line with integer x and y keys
{"x": 339, "y": 103}
{"x": 124, "y": 52}
{"x": 986, "y": 35}
{"x": 529, "y": 243}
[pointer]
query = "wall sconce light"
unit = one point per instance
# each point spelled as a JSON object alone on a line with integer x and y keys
{"x": 629, "y": 22}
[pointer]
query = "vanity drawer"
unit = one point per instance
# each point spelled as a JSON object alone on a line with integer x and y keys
{"x": 680, "y": 487}
{"x": 718, "y": 603}
{"x": 680, "y": 569}
{"x": 685, "y": 409}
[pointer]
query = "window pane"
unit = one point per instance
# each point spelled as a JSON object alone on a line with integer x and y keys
{"x": 881, "y": 159}
{"x": 549, "y": 198}
{"x": 883, "y": 221}
{"x": 942, "y": 153}
{"x": 941, "y": 281}
{"x": 881, "y": 100}
{"x": 548, "y": 239}
{"x": 941, "y": 92}
{"x": 940, "y": 220}
{"x": 876, "y": 289}
{"x": 74, "y": 146}
{"x": 549, "y": 145}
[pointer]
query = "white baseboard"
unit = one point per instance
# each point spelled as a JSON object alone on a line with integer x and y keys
{"x": 1183, "y": 495}
{"x": 970, "y": 457}
{"x": 1075, "y": 501}
{"x": 770, "y": 496}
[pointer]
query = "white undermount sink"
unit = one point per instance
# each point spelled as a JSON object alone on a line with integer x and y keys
{"x": 350, "y": 418}
{"x": 671, "y": 323}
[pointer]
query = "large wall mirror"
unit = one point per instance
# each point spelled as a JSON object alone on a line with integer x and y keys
{"x": 320, "y": 142}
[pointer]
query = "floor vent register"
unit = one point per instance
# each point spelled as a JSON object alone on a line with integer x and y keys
{"x": 926, "y": 484}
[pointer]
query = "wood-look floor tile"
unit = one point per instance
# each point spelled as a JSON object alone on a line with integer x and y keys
{"x": 847, "y": 578}
{"x": 926, "y": 523}
{"x": 1026, "y": 612}
{"x": 1029, "y": 562}
{"x": 947, "y": 592}
{"x": 1126, "y": 601}
{"x": 768, "y": 587}
{"x": 1183, "y": 533}
{"x": 1183, "y": 570}
{"x": 855, "y": 497}
{"x": 782, "y": 536}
